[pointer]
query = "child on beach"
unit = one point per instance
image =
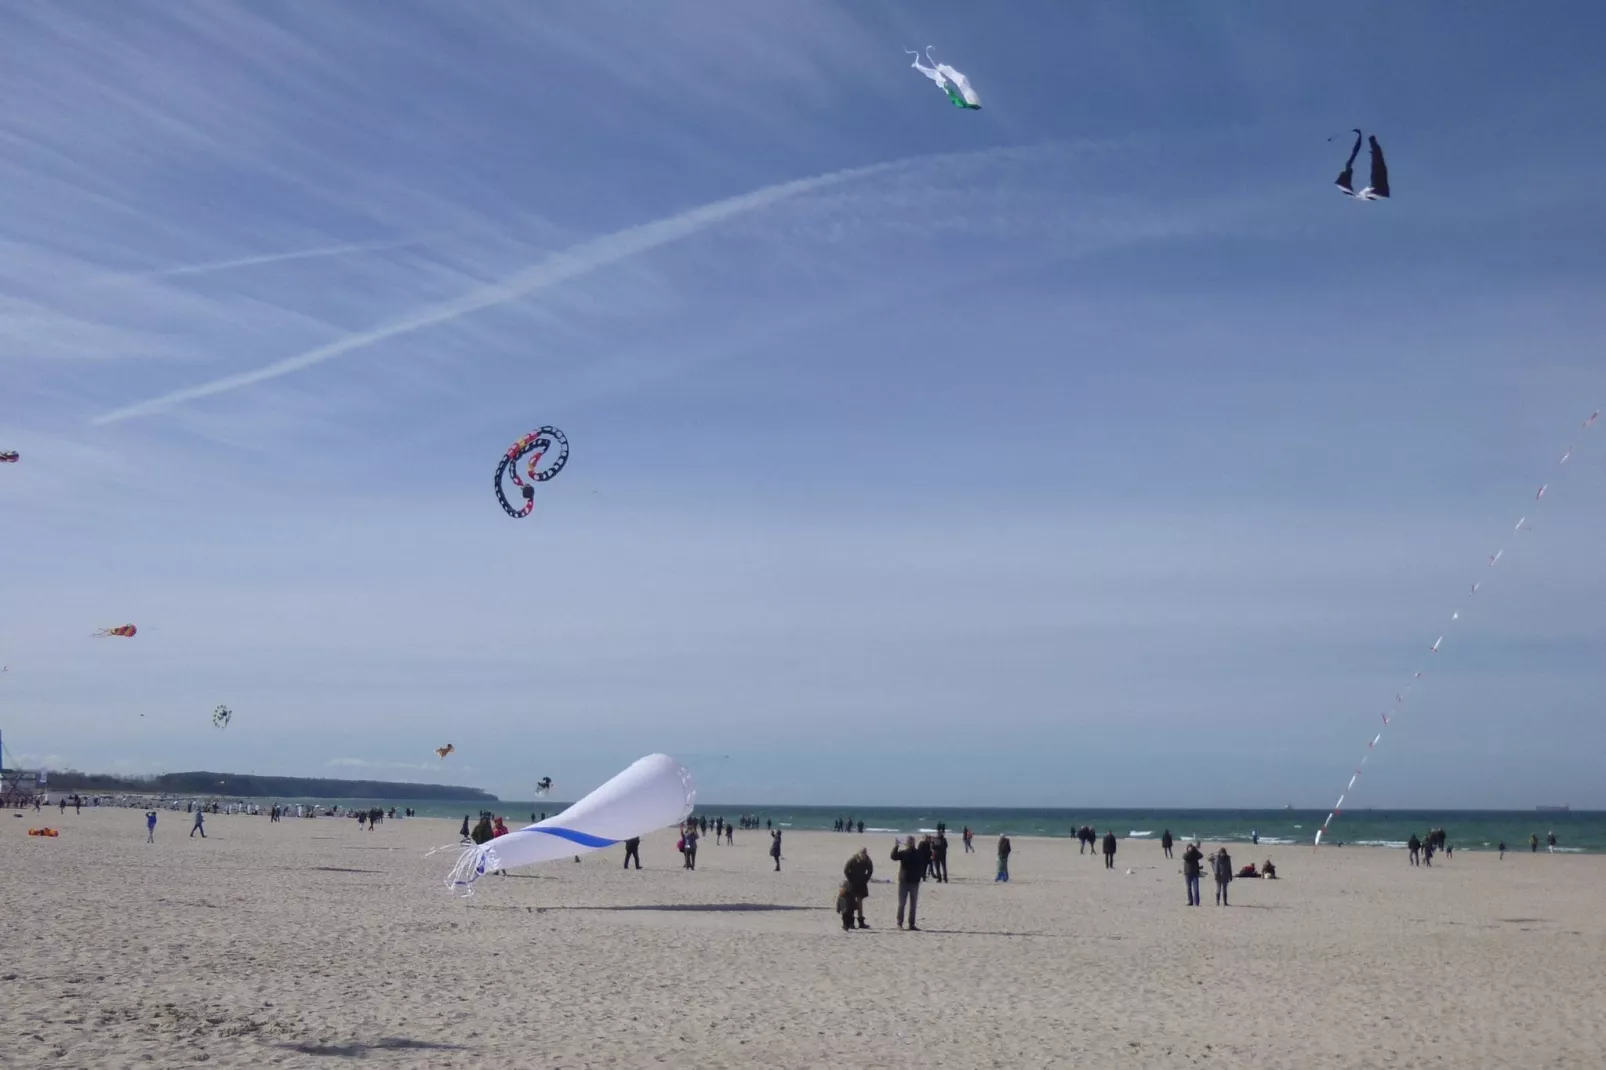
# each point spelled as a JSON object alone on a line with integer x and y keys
{"x": 150, "y": 826}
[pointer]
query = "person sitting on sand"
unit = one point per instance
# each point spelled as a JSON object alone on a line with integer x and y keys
{"x": 1268, "y": 871}
{"x": 1249, "y": 871}
{"x": 482, "y": 832}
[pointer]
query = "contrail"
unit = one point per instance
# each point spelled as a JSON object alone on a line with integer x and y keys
{"x": 267, "y": 258}
{"x": 571, "y": 263}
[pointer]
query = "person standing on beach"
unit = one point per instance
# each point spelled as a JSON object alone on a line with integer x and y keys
{"x": 1222, "y": 865}
{"x": 1551, "y": 841}
{"x": 1004, "y": 850}
{"x": 969, "y": 850}
{"x": 1413, "y": 846}
{"x": 1192, "y": 867}
{"x": 939, "y": 857}
{"x": 775, "y": 847}
{"x": 858, "y": 872}
{"x": 1166, "y": 841}
{"x": 633, "y": 850}
{"x": 150, "y": 826}
{"x": 1109, "y": 849}
{"x": 691, "y": 846}
{"x": 1502, "y": 850}
{"x": 911, "y": 870}
{"x": 199, "y": 826}
{"x": 1533, "y": 843}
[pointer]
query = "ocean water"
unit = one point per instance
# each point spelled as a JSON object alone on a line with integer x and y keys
{"x": 1467, "y": 830}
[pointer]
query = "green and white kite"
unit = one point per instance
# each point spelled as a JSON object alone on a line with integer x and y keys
{"x": 949, "y": 80}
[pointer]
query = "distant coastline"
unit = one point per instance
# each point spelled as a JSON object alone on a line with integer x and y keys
{"x": 251, "y": 786}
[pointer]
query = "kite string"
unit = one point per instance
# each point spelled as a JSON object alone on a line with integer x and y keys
{"x": 1399, "y": 696}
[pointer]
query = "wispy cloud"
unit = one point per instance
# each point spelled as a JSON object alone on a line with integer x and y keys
{"x": 1091, "y": 414}
{"x": 570, "y": 264}
{"x": 214, "y": 266}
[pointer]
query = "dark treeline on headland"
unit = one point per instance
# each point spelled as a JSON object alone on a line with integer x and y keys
{"x": 246, "y": 786}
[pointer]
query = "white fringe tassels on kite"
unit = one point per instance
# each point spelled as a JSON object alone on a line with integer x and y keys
{"x": 656, "y": 792}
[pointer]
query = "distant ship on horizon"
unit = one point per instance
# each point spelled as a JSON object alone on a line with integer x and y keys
{"x": 1562, "y": 809}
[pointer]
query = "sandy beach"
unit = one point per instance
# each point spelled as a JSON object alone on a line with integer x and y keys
{"x": 308, "y": 943}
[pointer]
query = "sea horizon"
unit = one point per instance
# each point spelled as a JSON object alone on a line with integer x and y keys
{"x": 1577, "y": 831}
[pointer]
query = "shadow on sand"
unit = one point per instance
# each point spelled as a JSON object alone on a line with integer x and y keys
{"x": 986, "y": 932}
{"x": 735, "y": 908}
{"x": 358, "y": 1049}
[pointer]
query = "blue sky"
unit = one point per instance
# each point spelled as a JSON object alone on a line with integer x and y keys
{"x": 1088, "y": 449}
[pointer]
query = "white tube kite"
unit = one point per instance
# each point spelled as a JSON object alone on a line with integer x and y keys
{"x": 949, "y": 80}
{"x": 656, "y": 792}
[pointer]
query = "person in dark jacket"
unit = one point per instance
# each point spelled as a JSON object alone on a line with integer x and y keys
{"x": 911, "y": 869}
{"x": 1413, "y": 847}
{"x": 1004, "y": 850}
{"x": 939, "y": 857}
{"x": 925, "y": 856}
{"x": 633, "y": 850}
{"x": 1109, "y": 850}
{"x": 1222, "y": 862}
{"x": 1166, "y": 841}
{"x": 1192, "y": 867}
{"x": 483, "y": 831}
{"x": 775, "y": 847}
{"x": 858, "y": 872}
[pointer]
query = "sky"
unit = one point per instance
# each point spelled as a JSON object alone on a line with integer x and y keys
{"x": 1087, "y": 450}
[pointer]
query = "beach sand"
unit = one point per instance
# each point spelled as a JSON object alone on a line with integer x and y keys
{"x": 312, "y": 943}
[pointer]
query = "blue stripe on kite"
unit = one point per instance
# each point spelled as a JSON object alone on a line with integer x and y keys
{"x": 584, "y": 839}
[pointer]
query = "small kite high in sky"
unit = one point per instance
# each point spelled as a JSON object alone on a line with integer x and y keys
{"x": 1378, "y": 187}
{"x": 444, "y": 751}
{"x": 125, "y": 630}
{"x": 221, "y": 716}
{"x": 949, "y": 80}
{"x": 535, "y": 444}
{"x": 10, "y": 456}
